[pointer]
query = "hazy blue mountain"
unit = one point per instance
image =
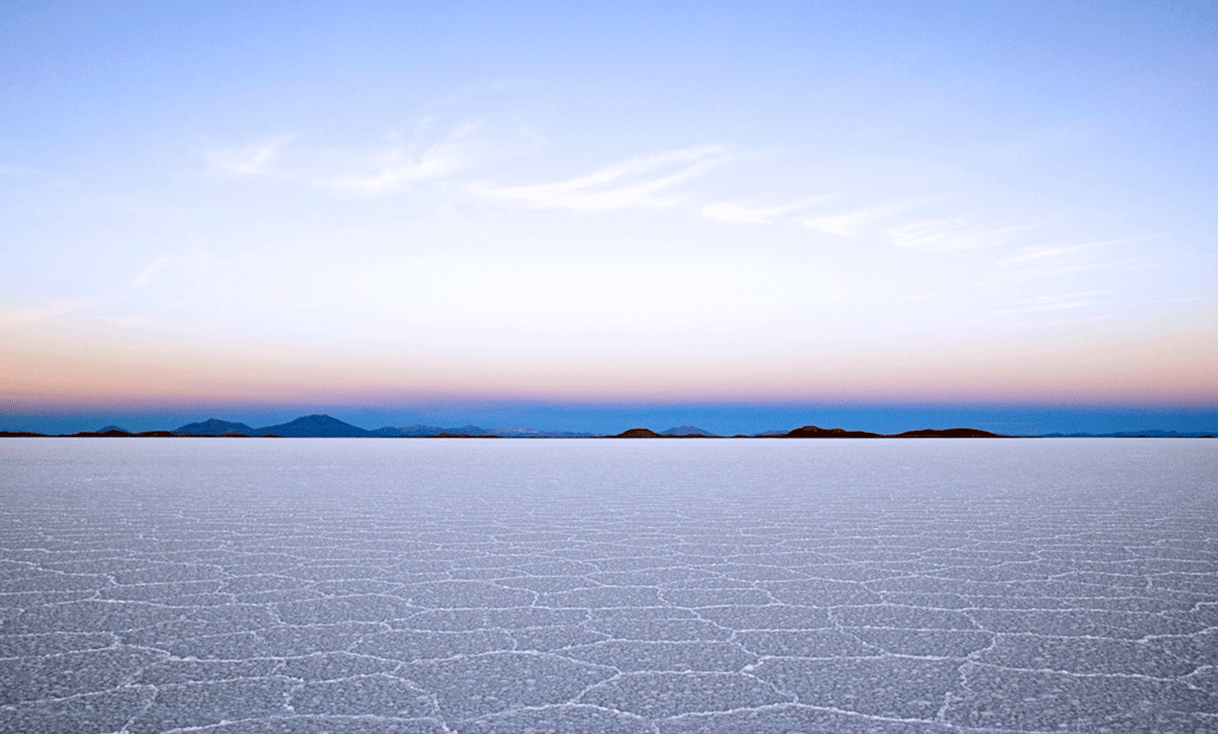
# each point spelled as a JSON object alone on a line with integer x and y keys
{"x": 519, "y": 433}
{"x": 534, "y": 433}
{"x": 422, "y": 431}
{"x": 213, "y": 427}
{"x": 1152, "y": 433}
{"x": 686, "y": 431}
{"x": 467, "y": 431}
{"x": 392, "y": 432}
{"x": 313, "y": 426}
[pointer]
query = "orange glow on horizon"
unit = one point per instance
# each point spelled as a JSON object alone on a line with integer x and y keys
{"x": 1175, "y": 372}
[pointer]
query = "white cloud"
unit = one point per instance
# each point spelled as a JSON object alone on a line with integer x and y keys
{"x": 1048, "y": 304}
{"x": 372, "y": 170}
{"x": 181, "y": 262}
{"x": 1041, "y": 254}
{"x": 635, "y": 183}
{"x": 398, "y": 166}
{"x": 934, "y": 235}
{"x": 399, "y": 169}
{"x": 18, "y": 316}
{"x": 249, "y": 160}
{"x": 850, "y": 224}
{"x": 23, "y": 171}
{"x": 729, "y": 212}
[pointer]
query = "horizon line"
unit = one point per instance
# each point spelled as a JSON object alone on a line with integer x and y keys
{"x": 470, "y": 430}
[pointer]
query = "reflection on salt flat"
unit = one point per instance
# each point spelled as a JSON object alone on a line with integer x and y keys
{"x": 580, "y": 585}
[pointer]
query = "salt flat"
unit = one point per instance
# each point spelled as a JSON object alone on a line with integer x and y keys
{"x": 365, "y": 585}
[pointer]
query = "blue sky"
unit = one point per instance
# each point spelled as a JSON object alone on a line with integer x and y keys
{"x": 396, "y": 208}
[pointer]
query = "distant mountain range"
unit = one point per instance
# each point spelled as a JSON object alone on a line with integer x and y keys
{"x": 1149, "y": 433}
{"x": 815, "y": 432}
{"x": 324, "y": 426}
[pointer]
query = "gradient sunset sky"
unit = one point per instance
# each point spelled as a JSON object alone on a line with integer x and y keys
{"x": 566, "y": 212}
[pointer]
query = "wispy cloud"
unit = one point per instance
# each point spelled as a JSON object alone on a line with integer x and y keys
{"x": 23, "y": 171}
{"x": 1048, "y": 261}
{"x": 401, "y": 165}
{"x": 185, "y": 261}
{"x": 249, "y": 160}
{"x": 950, "y": 233}
{"x": 371, "y": 170}
{"x": 635, "y": 183}
{"x": 955, "y": 233}
{"x": 10, "y": 317}
{"x": 1068, "y": 308}
{"x": 142, "y": 279}
{"x": 1050, "y": 270}
{"x": 852, "y": 223}
{"x": 400, "y": 169}
{"x": 1048, "y": 304}
{"x": 727, "y": 211}
{"x": 1041, "y": 254}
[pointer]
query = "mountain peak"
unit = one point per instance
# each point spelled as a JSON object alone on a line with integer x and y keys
{"x": 818, "y": 432}
{"x": 638, "y": 433}
{"x": 314, "y": 426}
{"x": 213, "y": 427}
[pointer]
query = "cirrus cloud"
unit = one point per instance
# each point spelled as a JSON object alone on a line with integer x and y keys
{"x": 635, "y": 183}
{"x": 727, "y": 211}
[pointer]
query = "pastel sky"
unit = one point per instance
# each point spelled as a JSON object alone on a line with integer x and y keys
{"x": 401, "y": 205}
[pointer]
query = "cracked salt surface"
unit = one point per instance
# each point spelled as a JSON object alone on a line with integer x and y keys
{"x": 297, "y": 585}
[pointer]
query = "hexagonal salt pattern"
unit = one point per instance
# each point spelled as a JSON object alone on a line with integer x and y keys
{"x": 297, "y": 585}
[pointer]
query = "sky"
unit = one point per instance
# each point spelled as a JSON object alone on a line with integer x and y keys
{"x": 586, "y": 215}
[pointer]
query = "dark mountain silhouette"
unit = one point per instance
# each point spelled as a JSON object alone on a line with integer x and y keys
{"x": 107, "y": 429}
{"x": 818, "y": 432}
{"x": 313, "y": 426}
{"x": 213, "y": 427}
{"x": 1149, "y": 433}
{"x": 637, "y": 433}
{"x": 949, "y": 433}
